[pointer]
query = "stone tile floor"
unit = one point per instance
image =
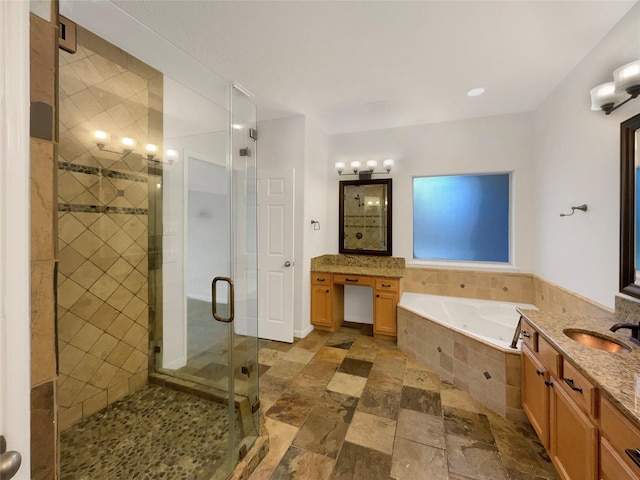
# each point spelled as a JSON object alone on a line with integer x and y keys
{"x": 345, "y": 405}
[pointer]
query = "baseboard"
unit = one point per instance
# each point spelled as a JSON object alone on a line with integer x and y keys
{"x": 303, "y": 333}
{"x": 176, "y": 364}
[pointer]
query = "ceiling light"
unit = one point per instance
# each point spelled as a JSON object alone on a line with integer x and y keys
{"x": 474, "y": 92}
{"x": 612, "y": 95}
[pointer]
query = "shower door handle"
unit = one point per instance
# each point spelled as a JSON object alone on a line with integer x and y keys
{"x": 230, "y": 300}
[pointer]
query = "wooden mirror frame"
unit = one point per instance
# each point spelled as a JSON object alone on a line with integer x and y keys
{"x": 628, "y": 187}
{"x": 387, "y": 251}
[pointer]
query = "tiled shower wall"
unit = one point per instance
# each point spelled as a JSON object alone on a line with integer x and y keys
{"x": 103, "y": 211}
{"x": 43, "y": 46}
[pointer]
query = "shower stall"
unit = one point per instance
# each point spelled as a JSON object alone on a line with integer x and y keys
{"x": 157, "y": 278}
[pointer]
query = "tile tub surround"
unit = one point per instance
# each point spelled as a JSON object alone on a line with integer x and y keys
{"x": 394, "y": 418}
{"x": 490, "y": 375}
{"x": 359, "y": 265}
{"x": 501, "y": 286}
{"x": 615, "y": 374}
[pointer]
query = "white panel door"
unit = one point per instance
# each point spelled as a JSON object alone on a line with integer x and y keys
{"x": 275, "y": 254}
{"x": 14, "y": 232}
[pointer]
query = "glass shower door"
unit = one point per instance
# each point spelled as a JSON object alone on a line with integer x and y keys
{"x": 204, "y": 328}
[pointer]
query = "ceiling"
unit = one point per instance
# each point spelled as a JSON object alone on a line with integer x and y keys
{"x": 364, "y": 65}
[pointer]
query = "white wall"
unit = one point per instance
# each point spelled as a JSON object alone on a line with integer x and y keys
{"x": 190, "y": 124}
{"x": 281, "y": 144}
{"x": 494, "y": 144}
{"x": 577, "y": 161}
{"x": 207, "y": 220}
{"x": 298, "y": 143}
{"x": 317, "y": 182}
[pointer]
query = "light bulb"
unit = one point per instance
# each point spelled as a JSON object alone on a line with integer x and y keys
{"x": 355, "y": 166}
{"x": 128, "y": 142}
{"x": 605, "y": 97}
{"x": 627, "y": 77}
{"x": 372, "y": 165}
{"x": 100, "y": 135}
{"x": 388, "y": 164}
{"x": 151, "y": 148}
{"x": 339, "y": 166}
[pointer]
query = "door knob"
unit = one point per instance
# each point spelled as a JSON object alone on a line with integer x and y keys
{"x": 9, "y": 461}
{"x": 287, "y": 263}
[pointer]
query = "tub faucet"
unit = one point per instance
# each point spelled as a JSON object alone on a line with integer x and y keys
{"x": 635, "y": 330}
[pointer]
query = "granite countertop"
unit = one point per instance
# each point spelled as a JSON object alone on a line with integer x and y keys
{"x": 374, "y": 266}
{"x": 615, "y": 374}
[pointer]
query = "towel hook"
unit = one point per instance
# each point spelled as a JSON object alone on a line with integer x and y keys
{"x": 582, "y": 208}
{"x": 315, "y": 224}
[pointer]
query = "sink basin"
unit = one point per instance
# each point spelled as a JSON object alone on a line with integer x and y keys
{"x": 596, "y": 340}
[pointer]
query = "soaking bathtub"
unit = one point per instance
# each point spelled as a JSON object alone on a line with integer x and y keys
{"x": 467, "y": 342}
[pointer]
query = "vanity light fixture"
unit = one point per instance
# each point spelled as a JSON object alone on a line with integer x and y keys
{"x": 612, "y": 95}
{"x": 370, "y": 168}
{"x": 129, "y": 144}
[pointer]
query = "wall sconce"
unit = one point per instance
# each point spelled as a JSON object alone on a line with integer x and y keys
{"x": 612, "y": 95}
{"x": 364, "y": 174}
{"x": 129, "y": 144}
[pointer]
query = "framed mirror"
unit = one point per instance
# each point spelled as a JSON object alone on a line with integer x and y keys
{"x": 629, "y": 200}
{"x": 365, "y": 217}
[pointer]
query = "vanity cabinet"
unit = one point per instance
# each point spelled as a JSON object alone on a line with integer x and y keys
{"x": 386, "y": 298}
{"x": 573, "y": 443}
{"x": 617, "y": 435}
{"x": 327, "y": 301}
{"x": 535, "y": 394}
{"x": 325, "y": 304}
{"x": 561, "y": 405}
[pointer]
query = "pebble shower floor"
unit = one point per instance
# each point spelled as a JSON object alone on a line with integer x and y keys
{"x": 154, "y": 433}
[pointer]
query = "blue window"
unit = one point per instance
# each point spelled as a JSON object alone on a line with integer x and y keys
{"x": 461, "y": 217}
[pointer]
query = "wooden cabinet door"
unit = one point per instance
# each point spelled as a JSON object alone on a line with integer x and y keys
{"x": 573, "y": 437}
{"x": 321, "y": 313}
{"x": 535, "y": 394}
{"x": 612, "y": 467}
{"x": 385, "y": 321}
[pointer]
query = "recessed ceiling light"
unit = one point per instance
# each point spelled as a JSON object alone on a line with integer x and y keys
{"x": 474, "y": 92}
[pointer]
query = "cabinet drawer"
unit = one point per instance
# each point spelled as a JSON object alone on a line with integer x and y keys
{"x": 551, "y": 359}
{"x": 579, "y": 389}
{"x": 320, "y": 278}
{"x": 612, "y": 466}
{"x": 387, "y": 284}
{"x": 353, "y": 280}
{"x": 529, "y": 336}
{"x": 620, "y": 432}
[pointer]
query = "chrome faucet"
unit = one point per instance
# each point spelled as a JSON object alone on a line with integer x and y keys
{"x": 635, "y": 329}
